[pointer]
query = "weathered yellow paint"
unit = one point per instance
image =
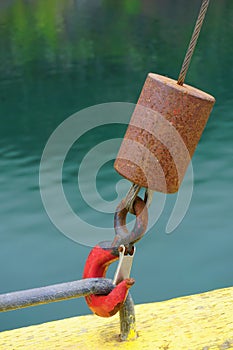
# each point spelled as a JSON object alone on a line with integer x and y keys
{"x": 197, "y": 322}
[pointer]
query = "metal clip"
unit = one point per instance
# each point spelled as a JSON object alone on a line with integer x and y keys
{"x": 124, "y": 265}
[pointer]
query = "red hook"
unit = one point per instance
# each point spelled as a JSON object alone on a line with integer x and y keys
{"x": 96, "y": 265}
{"x": 103, "y": 254}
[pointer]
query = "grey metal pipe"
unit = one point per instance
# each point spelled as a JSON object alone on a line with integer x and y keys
{"x": 70, "y": 290}
{"x": 56, "y": 292}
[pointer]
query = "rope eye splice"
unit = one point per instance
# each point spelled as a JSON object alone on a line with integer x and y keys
{"x": 105, "y": 253}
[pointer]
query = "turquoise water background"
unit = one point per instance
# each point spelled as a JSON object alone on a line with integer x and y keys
{"x": 60, "y": 56}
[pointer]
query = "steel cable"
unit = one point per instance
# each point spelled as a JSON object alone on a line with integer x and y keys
{"x": 193, "y": 41}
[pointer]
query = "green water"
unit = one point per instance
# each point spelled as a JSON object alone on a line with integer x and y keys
{"x": 58, "y": 57}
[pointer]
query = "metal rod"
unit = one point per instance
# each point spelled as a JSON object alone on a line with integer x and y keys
{"x": 56, "y": 292}
{"x": 70, "y": 290}
{"x": 127, "y": 320}
{"x": 193, "y": 41}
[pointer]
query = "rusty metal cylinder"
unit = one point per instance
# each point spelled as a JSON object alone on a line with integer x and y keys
{"x": 163, "y": 133}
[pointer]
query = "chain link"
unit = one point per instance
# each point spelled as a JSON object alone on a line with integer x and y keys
{"x": 132, "y": 194}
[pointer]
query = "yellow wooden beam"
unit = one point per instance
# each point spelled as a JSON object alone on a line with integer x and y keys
{"x": 197, "y": 322}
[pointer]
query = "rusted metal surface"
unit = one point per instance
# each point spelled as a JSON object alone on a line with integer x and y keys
{"x": 163, "y": 133}
{"x": 123, "y": 236}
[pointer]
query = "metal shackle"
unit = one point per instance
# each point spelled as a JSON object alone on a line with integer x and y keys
{"x": 163, "y": 133}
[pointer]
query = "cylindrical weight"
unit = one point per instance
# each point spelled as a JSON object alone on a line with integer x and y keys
{"x": 163, "y": 133}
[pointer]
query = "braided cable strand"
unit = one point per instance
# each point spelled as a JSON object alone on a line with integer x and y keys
{"x": 193, "y": 41}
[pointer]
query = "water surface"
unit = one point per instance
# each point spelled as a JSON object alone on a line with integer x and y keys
{"x": 58, "y": 57}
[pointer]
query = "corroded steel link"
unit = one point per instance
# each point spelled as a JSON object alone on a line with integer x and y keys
{"x": 131, "y": 196}
{"x": 193, "y": 42}
{"x": 123, "y": 236}
{"x": 148, "y": 197}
